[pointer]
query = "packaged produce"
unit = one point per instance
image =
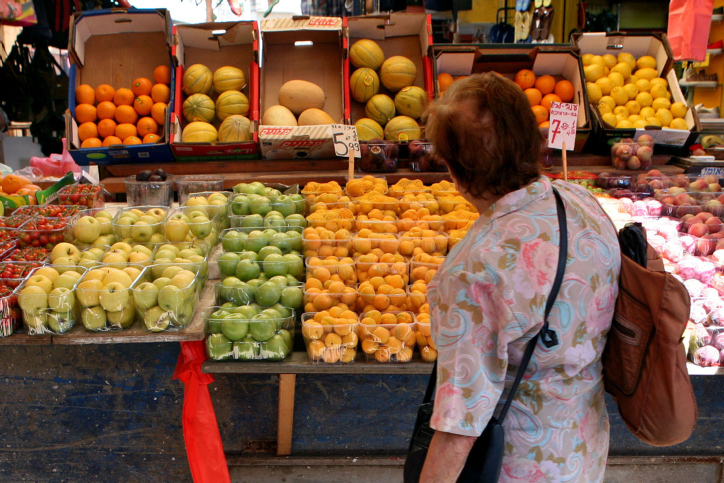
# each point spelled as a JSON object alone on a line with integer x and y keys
{"x": 366, "y": 184}
{"x": 94, "y": 227}
{"x": 216, "y": 204}
{"x": 332, "y": 269}
{"x": 281, "y": 240}
{"x": 276, "y": 292}
{"x": 153, "y": 190}
{"x": 331, "y": 338}
{"x": 366, "y": 241}
{"x": 86, "y": 195}
{"x": 369, "y": 266}
{"x": 428, "y": 351}
{"x": 167, "y": 301}
{"x": 105, "y": 297}
{"x": 140, "y": 224}
{"x": 387, "y": 337}
{"x": 332, "y": 220}
{"x": 189, "y": 223}
{"x": 423, "y": 159}
{"x": 383, "y": 294}
{"x": 198, "y": 183}
{"x": 45, "y": 232}
{"x": 378, "y": 156}
{"x": 321, "y": 242}
{"x": 418, "y": 241}
{"x": 47, "y": 299}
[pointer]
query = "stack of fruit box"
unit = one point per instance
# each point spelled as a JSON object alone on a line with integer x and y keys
{"x": 656, "y": 45}
{"x": 115, "y": 47}
{"x": 216, "y": 45}
{"x": 561, "y": 62}
{"x": 310, "y": 49}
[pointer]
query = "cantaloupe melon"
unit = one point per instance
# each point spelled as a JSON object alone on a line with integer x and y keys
{"x": 363, "y": 84}
{"x": 398, "y": 72}
{"x": 235, "y": 129}
{"x": 299, "y": 95}
{"x": 411, "y": 101}
{"x": 230, "y": 103}
{"x": 366, "y": 53}
{"x": 199, "y": 132}
{"x": 197, "y": 80}
{"x": 368, "y": 129}
{"x": 228, "y": 79}
{"x": 380, "y": 108}
{"x": 199, "y": 107}
{"x": 402, "y": 128}
{"x": 314, "y": 117}
{"x": 278, "y": 116}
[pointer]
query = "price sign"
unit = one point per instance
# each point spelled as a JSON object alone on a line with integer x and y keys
{"x": 563, "y": 122}
{"x": 345, "y": 141}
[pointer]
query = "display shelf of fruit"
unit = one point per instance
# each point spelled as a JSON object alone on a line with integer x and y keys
{"x": 319, "y": 296}
{"x": 332, "y": 220}
{"x": 249, "y": 265}
{"x": 377, "y": 222}
{"x": 387, "y": 337}
{"x": 332, "y": 269}
{"x": 423, "y": 159}
{"x": 378, "y": 156}
{"x": 141, "y": 224}
{"x": 11, "y": 319}
{"x": 367, "y": 241}
{"x": 629, "y": 154}
{"x": 629, "y": 92}
{"x": 248, "y": 333}
{"x": 189, "y": 223}
{"x": 47, "y": 299}
{"x": 331, "y": 339}
{"x": 105, "y": 298}
{"x": 165, "y": 295}
{"x": 213, "y": 201}
{"x": 45, "y": 232}
{"x": 243, "y": 204}
{"x": 321, "y": 242}
{"x": 283, "y": 292}
{"x": 87, "y": 195}
{"x": 150, "y": 188}
{"x": 280, "y": 240}
{"x": 388, "y": 266}
{"x": 198, "y": 184}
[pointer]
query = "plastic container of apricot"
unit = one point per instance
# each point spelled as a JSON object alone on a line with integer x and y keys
{"x": 419, "y": 269}
{"x": 316, "y": 300}
{"x": 367, "y": 270}
{"x": 330, "y": 343}
{"x": 362, "y": 222}
{"x": 322, "y": 245}
{"x": 388, "y": 342}
{"x": 436, "y": 245}
{"x": 379, "y": 243}
{"x": 333, "y": 269}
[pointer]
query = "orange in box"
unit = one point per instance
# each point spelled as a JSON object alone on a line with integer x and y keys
{"x": 417, "y": 241}
{"x": 366, "y": 241}
{"x": 388, "y": 337}
{"x": 369, "y": 266}
{"x": 383, "y": 294}
{"x": 377, "y": 222}
{"x": 321, "y": 242}
{"x": 373, "y": 200}
{"x": 332, "y": 220}
{"x": 361, "y": 186}
{"x": 423, "y": 267}
{"x": 331, "y": 336}
{"x": 332, "y": 269}
{"x": 320, "y": 296}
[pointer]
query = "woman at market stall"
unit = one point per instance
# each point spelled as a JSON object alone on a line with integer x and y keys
{"x": 487, "y": 300}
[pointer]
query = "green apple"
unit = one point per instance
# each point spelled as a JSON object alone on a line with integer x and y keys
{"x": 114, "y": 297}
{"x": 65, "y": 249}
{"x": 88, "y": 292}
{"x": 33, "y": 299}
{"x": 275, "y": 264}
{"x": 184, "y": 316}
{"x": 285, "y": 205}
{"x": 165, "y": 253}
{"x": 268, "y": 293}
{"x": 252, "y": 221}
{"x": 36, "y": 322}
{"x": 288, "y": 340}
{"x": 183, "y": 279}
{"x": 87, "y": 229}
{"x": 170, "y": 271}
{"x": 64, "y": 264}
{"x": 123, "y": 319}
{"x": 295, "y": 240}
{"x": 60, "y": 322}
{"x": 145, "y": 295}
{"x": 105, "y": 225}
{"x": 256, "y": 240}
{"x": 234, "y": 241}
{"x": 280, "y": 280}
{"x": 141, "y": 231}
{"x": 214, "y": 321}
{"x": 227, "y": 263}
{"x": 156, "y": 239}
{"x": 274, "y": 220}
{"x": 281, "y": 241}
{"x": 299, "y": 203}
{"x": 170, "y": 298}
{"x": 247, "y": 349}
{"x": 103, "y": 214}
{"x": 122, "y": 226}
{"x": 276, "y": 348}
{"x": 292, "y": 297}
{"x": 242, "y": 293}
{"x": 296, "y": 220}
{"x": 234, "y": 329}
{"x": 246, "y": 312}
{"x": 201, "y": 226}
{"x": 219, "y": 347}
{"x": 262, "y": 327}
{"x": 65, "y": 280}
{"x": 150, "y": 220}
{"x": 295, "y": 265}
{"x": 155, "y": 319}
{"x": 270, "y": 192}
{"x": 196, "y": 201}
{"x": 61, "y": 299}
{"x": 248, "y": 255}
{"x": 161, "y": 282}
{"x": 188, "y": 253}
{"x": 247, "y": 270}
{"x": 268, "y": 250}
{"x": 93, "y": 318}
{"x": 240, "y": 206}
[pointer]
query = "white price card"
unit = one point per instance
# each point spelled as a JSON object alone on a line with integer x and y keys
{"x": 345, "y": 140}
{"x": 563, "y": 122}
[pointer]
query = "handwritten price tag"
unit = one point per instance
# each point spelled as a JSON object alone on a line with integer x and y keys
{"x": 345, "y": 140}
{"x": 563, "y": 120}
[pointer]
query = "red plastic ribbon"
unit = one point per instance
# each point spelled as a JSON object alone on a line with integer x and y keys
{"x": 204, "y": 448}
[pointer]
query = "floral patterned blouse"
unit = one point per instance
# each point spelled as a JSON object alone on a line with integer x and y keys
{"x": 487, "y": 301}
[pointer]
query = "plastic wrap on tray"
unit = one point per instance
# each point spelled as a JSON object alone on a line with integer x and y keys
{"x": 165, "y": 295}
{"x": 198, "y": 183}
{"x": 388, "y": 337}
{"x": 274, "y": 293}
{"x": 331, "y": 338}
{"x": 140, "y": 224}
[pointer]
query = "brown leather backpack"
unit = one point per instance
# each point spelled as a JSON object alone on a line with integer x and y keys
{"x": 644, "y": 362}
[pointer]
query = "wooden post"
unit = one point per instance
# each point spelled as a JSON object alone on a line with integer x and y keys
{"x": 565, "y": 162}
{"x": 287, "y": 385}
{"x": 351, "y": 165}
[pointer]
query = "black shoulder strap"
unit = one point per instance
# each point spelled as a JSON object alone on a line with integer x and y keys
{"x": 548, "y": 336}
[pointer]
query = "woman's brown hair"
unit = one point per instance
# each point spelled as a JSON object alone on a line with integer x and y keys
{"x": 487, "y": 134}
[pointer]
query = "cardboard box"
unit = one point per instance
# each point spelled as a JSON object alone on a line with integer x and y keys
{"x": 115, "y": 47}
{"x": 562, "y": 62}
{"x": 669, "y": 141}
{"x": 405, "y": 34}
{"x": 304, "y": 48}
{"x": 216, "y": 45}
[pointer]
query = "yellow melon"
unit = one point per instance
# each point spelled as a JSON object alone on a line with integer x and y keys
{"x": 299, "y": 95}
{"x": 411, "y": 101}
{"x": 199, "y": 132}
{"x": 278, "y": 116}
{"x": 230, "y": 103}
{"x": 199, "y": 107}
{"x": 314, "y": 117}
{"x": 380, "y": 108}
{"x": 402, "y": 128}
{"x": 366, "y": 53}
{"x": 228, "y": 79}
{"x": 368, "y": 129}
{"x": 363, "y": 84}
{"x": 235, "y": 129}
{"x": 397, "y": 72}
{"x": 197, "y": 80}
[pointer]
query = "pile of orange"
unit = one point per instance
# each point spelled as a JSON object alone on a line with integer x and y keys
{"x": 542, "y": 91}
{"x": 123, "y": 116}
{"x": 388, "y": 336}
{"x": 388, "y": 294}
{"x": 377, "y": 221}
{"x": 428, "y": 351}
{"x": 417, "y": 241}
{"x": 321, "y": 242}
{"x": 320, "y": 296}
{"x": 370, "y": 266}
{"x": 445, "y": 80}
{"x": 367, "y": 241}
{"x": 331, "y": 336}
{"x": 330, "y": 270}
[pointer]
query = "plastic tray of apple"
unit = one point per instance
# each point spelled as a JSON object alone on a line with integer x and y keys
{"x": 140, "y": 224}
{"x": 184, "y": 253}
{"x": 47, "y": 299}
{"x": 189, "y": 186}
{"x": 166, "y": 294}
{"x": 256, "y": 210}
{"x": 214, "y": 202}
{"x": 285, "y": 239}
{"x": 188, "y": 223}
{"x": 277, "y": 293}
{"x": 248, "y": 333}
{"x": 105, "y": 299}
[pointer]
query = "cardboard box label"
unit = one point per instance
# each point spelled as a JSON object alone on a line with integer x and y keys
{"x": 310, "y": 23}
